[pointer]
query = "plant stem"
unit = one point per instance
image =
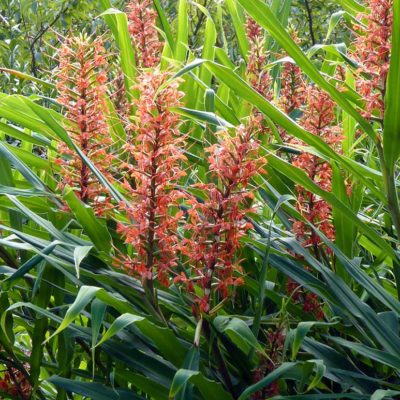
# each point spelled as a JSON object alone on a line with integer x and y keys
{"x": 7, "y": 258}
{"x": 310, "y": 21}
{"x": 149, "y": 290}
{"x": 219, "y": 357}
{"x": 261, "y": 293}
{"x": 392, "y": 205}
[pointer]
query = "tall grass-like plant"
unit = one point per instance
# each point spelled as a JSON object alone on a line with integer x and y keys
{"x": 223, "y": 227}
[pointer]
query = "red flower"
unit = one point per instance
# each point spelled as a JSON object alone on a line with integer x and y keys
{"x": 319, "y": 119}
{"x": 292, "y": 94}
{"x": 257, "y": 73}
{"x": 217, "y": 222}
{"x": 151, "y": 178}
{"x": 372, "y": 51}
{"x": 15, "y": 383}
{"x": 81, "y": 82}
{"x": 274, "y": 348}
{"x": 142, "y": 27}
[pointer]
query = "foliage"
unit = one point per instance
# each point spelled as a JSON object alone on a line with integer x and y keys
{"x": 216, "y": 218}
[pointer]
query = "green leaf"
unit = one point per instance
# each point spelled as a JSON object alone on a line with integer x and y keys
{"x": 27, "y": 266}
{"x": 351, "y": 6}
{"x": 26, "y": 172}
{"x": 282, "y": 370}
{"x": 210, "y": 390}
{"x": 191, "y": 363}
{"x": 118, "y": 24}
{"x": 262, "y": 14}
{"x": 391, "y": 131}
{"x": 238, "y": 331}
{"x": 28, "y": 158}
{"x": 118, "y": 325}
{"x": 80, "y": 253}
{"x": 17, "y": 133}
{"x": 380, "y": 356}
{"x": 181, "y": 45}
{"x": 203, "y": 116}
{"x": 93, "y": 390}
{"x": 382, "y": 394}
{"x": 164, "y": 23}
{"x": 238, "y": 24}
{"x": 24, "y": 76}
{"x": 97, "y": 313}
{"x": 96, "y": 230}
{"x": 298, "y": 334}
{"x": 344, "y": 228}
{"x": 84, "y": 297}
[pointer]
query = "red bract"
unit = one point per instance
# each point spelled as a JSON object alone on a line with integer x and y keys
{"x": 15, "y": 383}
{"x": 274, "y": 348}
{"x": 257, "y": 73}
{"x": 318, "y": 118}
{"x": 142, "y": 27}
{"x": 157, "y": 154}
{"x": 217, "y": 222}
{"x": 119, "y": 98}
{"x": 372, "y": 50}
{"x": 292, "y": 94}
{"x": 308, "y": 300}
{"x": 81, "y": 82}
{"x": 293, "y": 90}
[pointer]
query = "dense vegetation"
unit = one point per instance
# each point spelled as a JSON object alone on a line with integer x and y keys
{"x": 199, "y": 199}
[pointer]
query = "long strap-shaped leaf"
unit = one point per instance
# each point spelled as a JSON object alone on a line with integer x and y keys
{"x": 263, "y": 15}
{"x": 238, "y": 27}
{"x": 164, "y": 22}
{"x": 182, "y": 32}
{"x": 118, "y": 23}
{"x": 391, "y": 133}
{"x": 297, "y": 175}
{"x": 59, "y": 131}
{"x": 246, "y": 92}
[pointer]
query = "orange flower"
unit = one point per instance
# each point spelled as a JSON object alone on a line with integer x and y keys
{"x": 292, "y": 94}
{"x": 372, "y": 51}
{"x": 15, "y": 383}
{"x": 142, "y": 27}
{"x": 257, "y": 73}
{"x": 151, "y": 179}
{"x": 319, "y": 119}
{"x": 81, "y": 82}
{"x": 217, "y": 222}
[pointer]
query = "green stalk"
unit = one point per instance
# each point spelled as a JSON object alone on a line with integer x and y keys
{"x": 219, "y": 358}
{"x": 151, "y": 296}
{"x": 263, "y": 273}
{"x": 392, "y": 205}
{"x": 261, "y": 292}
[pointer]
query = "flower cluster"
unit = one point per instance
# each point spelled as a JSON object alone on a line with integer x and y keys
{"x": 119, "y": 98}
{"x": 15, "y": 383}
{"x": 274, "y": 349}
{"x": 318, "y": 118}
{"x": 292, "y": 94}
{"x": 81, "y": 82}
{"x": 309, "y": 300}
{"x": 142, "y": 27}
{"x": 372, "y": 50}
{"x": 257, "y": 73}
{"x": 151, "y": 179}
{"x": 217, "y": 222}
